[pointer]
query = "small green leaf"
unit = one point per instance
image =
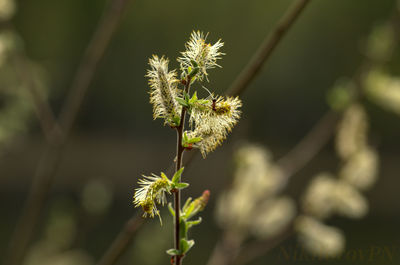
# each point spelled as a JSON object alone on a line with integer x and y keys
{"x": 195, "y": 222}
{"x": 194, "y": 98}
{"x": 182, "y": 102}
{"x": 176, "y": 120}
{"x": 171, "y": 210}
{"x": 187, "y": 203}
{"x": 177, "y": 175}
{"x": 164, "y": 176}
{"x": 194, "y": 140}
{"x": 186, "y": 96}
{"x": 203, "y": 101}
{"x": 181, "y": 185}
{"x": 186, "y": 245}
{"x": 173, "y": 252}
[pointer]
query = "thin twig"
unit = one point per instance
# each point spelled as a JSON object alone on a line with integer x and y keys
{"x": 177, "y": 194}
{"x": 123, "y": 239}
{"x": 94, "y": 53}
{"x": 309, "y": 146}
{"x": 43, "y": 109}
{"x": 267, "y": 47}
{"x": 51, "y": 158}
{"x": 256, "y": 249}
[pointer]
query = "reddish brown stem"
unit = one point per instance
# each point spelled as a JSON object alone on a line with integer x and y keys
{"x": 179, "y": 155}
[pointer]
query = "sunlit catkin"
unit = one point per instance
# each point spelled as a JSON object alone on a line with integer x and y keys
{"x": 164, "y": 91}
{"x": 202, "y": 53}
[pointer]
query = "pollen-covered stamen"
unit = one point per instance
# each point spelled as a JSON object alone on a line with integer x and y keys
{"x": 152, "y": 191}
{"x": 213, "y": 121}
{"x": 167, "y": 97}
{"x": 164, "y": 90}
{"x": 204, "y": 54}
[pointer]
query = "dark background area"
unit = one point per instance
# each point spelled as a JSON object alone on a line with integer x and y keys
{"x": 116, "y": 140}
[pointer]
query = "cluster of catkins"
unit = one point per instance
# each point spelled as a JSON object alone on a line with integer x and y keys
{"x": 210, "y": 119}
{"x": 328, "y": 195}
{"x": 253, "y": 205}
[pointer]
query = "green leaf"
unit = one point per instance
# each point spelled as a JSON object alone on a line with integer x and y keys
{"x": 203, "y": 101}
{"x": 186, "y": 245}
{"x": 194, "y": 98}
{"x": 182, "y": 102}
{"x": 195, "y": 222}
{"x": 177, "y": 175}
{"x": 186, "y": 96}
{"x": 194, "y": 140}
{"x": 173, "y": 252}
{"x": 176, "y": 120}
{"x": 171, "y": 210}
{"x": 185, "y": 137}
{"x": 181, "y": 185}
{"x": 164, "y": 176}
{"x": 187, "y": 203}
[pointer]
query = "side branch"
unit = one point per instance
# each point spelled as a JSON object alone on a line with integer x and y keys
{"x": 267, "y": 47}
{"x": 123, "y": 239}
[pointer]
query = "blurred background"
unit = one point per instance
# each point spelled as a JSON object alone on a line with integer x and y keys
{"x": 115, "y": 140}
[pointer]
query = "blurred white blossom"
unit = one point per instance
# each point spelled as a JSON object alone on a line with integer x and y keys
{"x": 318, "y": 238}
{"x": 384, "y": 90}
{"x": 272, "y": 216}
{"x": 349, "y": 201}
{"x": 352, "y": 131}
{"x": 361, "y": 169}
{"x": 256, "y": 179}
{"x": 381, "y": 42}
{"x": 7, "y": 9}
{"x": 318, "y": 200}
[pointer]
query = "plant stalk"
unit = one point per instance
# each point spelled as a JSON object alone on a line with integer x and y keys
{"x": 179, "y": 155}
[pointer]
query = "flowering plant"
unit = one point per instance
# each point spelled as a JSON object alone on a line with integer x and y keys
{"x": 210, "y": 121}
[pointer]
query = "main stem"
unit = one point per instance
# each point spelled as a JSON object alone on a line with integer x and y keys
{"x": 179, "y": 155}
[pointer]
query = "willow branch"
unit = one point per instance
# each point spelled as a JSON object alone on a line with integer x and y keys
{"x": 177, "y": 194}
{"x": 42, "y": 107}
{"x": 310, "y": 145}
{"x": 123, "y": 239}
{"x": 260, "y": 57}
{"x": 267, "y": 47}
{"x": 256, "y": 249}
{"x": 51, "y": 158}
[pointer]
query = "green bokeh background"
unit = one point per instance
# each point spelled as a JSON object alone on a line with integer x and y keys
{"x": 115, "y": 138}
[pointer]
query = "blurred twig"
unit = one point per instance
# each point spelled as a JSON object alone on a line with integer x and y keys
{"x": 121, "y": 241}
{"x": 42, "y": 107}
{"x": 267, "y": 47}
{"x": 51, "y": 158}
{"x": 309, "y": 146}
{"x": 257, "y": 249}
